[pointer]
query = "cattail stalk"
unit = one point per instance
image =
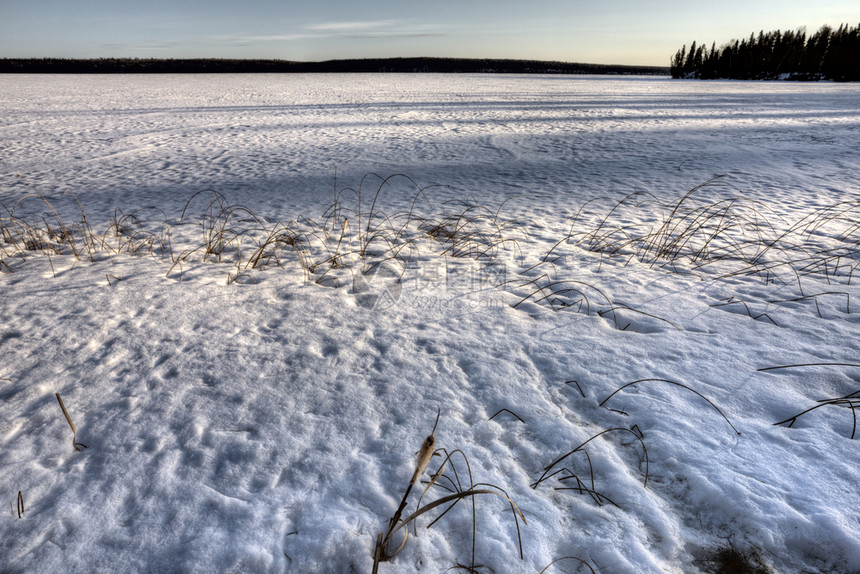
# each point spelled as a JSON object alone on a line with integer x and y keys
{"x": 424, "y": 456}
{"x": 75, "y": 442}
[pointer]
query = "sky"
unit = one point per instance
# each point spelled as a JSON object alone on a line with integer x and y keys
{"x": 634, "y": 32}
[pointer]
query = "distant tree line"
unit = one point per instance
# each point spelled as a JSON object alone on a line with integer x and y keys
{"x": 827, "y": 54}
{"x": 386, "y": 65}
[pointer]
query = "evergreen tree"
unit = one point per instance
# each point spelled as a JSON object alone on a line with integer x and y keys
{"x": 827, "y": 54}
{"x": 690, "y": 63}
{"x": 676, "y": 65}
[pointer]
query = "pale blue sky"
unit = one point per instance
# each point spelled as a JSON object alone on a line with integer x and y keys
{"x": 644, "y": 32}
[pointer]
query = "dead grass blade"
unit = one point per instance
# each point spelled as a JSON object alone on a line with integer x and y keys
{"x": 809, "y": 365}
{"x": 851, "y": 401}
{"x": 551, "y": 469}
{"x": 681, "y": 385}
{"x": 510, "y": 412}
{"x": 78, "y": 446}
{"x": 580, "y": 560}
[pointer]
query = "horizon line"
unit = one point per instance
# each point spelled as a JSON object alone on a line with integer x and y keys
{"x": 326, "y": 61}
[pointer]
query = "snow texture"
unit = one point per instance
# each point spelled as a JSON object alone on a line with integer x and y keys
{"x": 241, "y": 419}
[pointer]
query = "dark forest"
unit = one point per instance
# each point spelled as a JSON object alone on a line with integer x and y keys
{"x": 388, "y": 65}
{"x": 828, "y": 54}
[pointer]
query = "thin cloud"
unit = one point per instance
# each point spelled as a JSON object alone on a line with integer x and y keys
{"x": 258, "y": 39}
{"x": 397, "y": 35}
{"x": 350, "y": 26}
{"x": 362, "y": 30}
{"x": 279, "y": 37}
{"x": 355, "y": 30}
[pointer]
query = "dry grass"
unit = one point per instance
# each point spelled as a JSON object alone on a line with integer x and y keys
{"x": 354, "y": 237}
{"x": 46, "y": 233}
{"x": 673, "y": 383}
{"x": 850, "y": 401}
{"x": 454, "y": 475}
{"x": 695, "y": 234}
{"x": 77, "y": 446}
{"x": 715, "y": 239}
{"x": 730, "y": 560}
{"x": 580, "y": 563}
{"x": 585, "y": 485}
{"x": 720, "y": 239}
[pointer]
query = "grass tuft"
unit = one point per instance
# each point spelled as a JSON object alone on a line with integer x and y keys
{"x": 448, "y": 478}
{"x": 587, "y": 486}
{"x": 354, "y": 238}
{"x": 730, "y": 560}
{"x": 730, "y": 237}
{"x": 718, "y": 239}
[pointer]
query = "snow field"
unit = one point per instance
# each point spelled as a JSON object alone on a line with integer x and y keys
{"x": 266, "y": 418}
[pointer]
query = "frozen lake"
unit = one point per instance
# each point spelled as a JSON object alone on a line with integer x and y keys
{"x": 656, "y": 378}
{"x": 279, "y": 140}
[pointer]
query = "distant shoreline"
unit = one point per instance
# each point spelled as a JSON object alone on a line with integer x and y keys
{"x": 381, "y": 65}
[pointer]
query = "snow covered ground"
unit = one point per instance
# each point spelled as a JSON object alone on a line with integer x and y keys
{"x": 253, "y": 372}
